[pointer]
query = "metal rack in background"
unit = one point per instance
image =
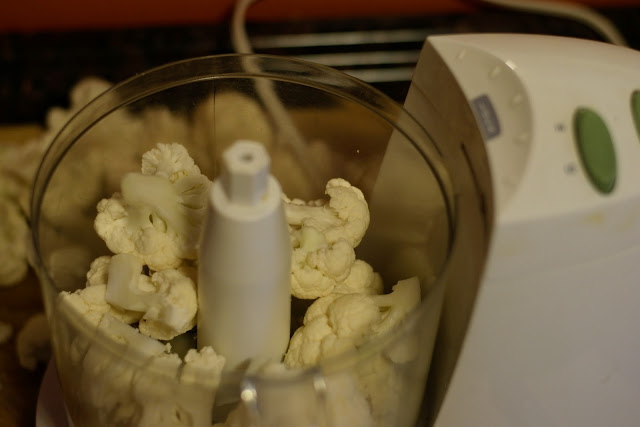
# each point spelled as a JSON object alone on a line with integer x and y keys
{"x": 37, "y": 70}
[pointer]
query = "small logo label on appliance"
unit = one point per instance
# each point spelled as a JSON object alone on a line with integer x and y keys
{"x": 486, "y": 116}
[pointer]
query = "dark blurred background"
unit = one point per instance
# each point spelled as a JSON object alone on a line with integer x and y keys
{"x": 45, "y": 50}
{"x": 46, "y": 47}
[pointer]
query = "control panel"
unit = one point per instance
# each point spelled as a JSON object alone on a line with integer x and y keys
{"x": 560, "y": 119}
{"x": 552, "y": 338}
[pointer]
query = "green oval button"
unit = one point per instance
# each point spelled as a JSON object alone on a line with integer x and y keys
{"x": 596, "y": 149}
{"x": 635, "y": 109}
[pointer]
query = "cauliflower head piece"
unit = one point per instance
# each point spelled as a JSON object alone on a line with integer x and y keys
{"x": 339, "y": 322}
{"x": 14, "y": 233}
{"x": 159, "y": 212}
{"x": 323, "y": 236}
{"x": 344, "y": 216}
{"x": 165, "y": 302}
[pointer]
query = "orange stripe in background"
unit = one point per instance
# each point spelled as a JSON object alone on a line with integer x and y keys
{"x": 31, "y": 15}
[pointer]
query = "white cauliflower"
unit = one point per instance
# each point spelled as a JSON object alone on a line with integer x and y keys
{"x": 159, "y": 213}
{"x": 19, "y": 162}
{"x": 338, "y": 402}
{"x": 14, "y": 234}
{"x": 330, "y": 330}
{"x": 106, "y": 373}
{"x": 83, "y": 92}
{"x": 403, "y": 299}
{"x": 229, "y": 116}
{"x": 224, "y": 117}
{"x": 86, "y": 90}
{"x": 202, "y": 366}
{"x": 67, "y": 264}
{"x": 347, "y": 406}
{"x": 199, "y": 382}
{"x": 162, "y": 124}
{"x": 175, "y": 393}
{"x": 174, "y": 310}
{"x": 317, "y": 267}
{"x": 344, "y": 216}
{"x": 361, "y": 280}
{"x": 379, "y": 380}
{"x": 154, "y": 389}
{"x": 323, "y": 237}
{"x": 127, "y": 287}
{"x": 33, "y": 343}
{"x": 90, "y": 303}
{"x": 83, "y": 164}
{"x": 165, "y": 303}
{"x": 135, "y": 381}
{"x": 98, "y": 273}
{"x": 336, "y": 323}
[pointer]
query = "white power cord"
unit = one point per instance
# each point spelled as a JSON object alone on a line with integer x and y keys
{"x": 574, "y": 11}
{"x": 287, "y": 131}
{"x": 239, "y": 38}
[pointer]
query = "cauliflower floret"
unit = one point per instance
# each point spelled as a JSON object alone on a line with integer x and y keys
{"x": 161, "y": 124}
{"x": 14, "y": 233}
{"x": 86, "y": 90}
{"x": 174, "y": 309}
{"x": 301, "y": 404}
{"x": 164, "y": 303}
{"x": 323, "y": 237}
{"x": 91, "y": 304}
{"x": 361, "y": 280}
{"x": 106, "y": 379}
{"x": 32, "y": 342}
{"x": 84, "y": 164}
{"x": 127, "y": 231}
{"x": 98, "y": 273}
{"x": 83, "y": 92}
{"x": 344, "y": 216}
{"x": 67, "y": 264}
{"x": 172, "y": 393}
{"x": 127, "y": 287}
{"x": 202, "y": 366}
{"x": 18, "y": 164}
{"x": 380, "y": 382}
{"x": 170, "y": 161}
{"x": 405, "y": 297}
{"x": 346, "y": 404}
{"x": 223, "y": 118}
{"x": 159, "y": 213}
{"x": 155, "y": 390}
{"x": 336, "y": 323}
{"x": 316, "y": 267}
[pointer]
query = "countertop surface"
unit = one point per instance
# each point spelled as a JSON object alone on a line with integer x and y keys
{"x": 38, "y": 69}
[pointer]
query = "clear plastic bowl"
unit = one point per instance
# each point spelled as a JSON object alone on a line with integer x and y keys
{"x": 317, "y": 124}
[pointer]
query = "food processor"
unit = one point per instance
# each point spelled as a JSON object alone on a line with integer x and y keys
{"x": 513, "y": 154}
{"x": 344, "y": 128}
{"x": 551, "y": 339}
